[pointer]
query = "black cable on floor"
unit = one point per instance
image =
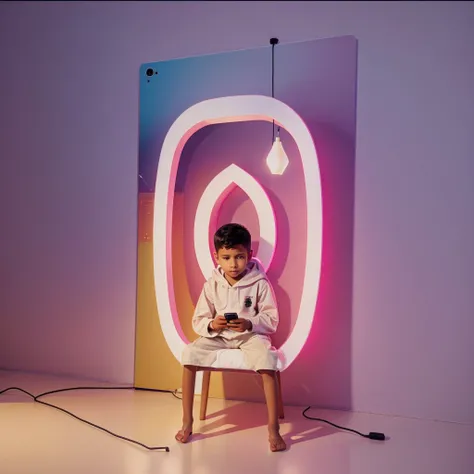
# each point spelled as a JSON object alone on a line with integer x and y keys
{"x": 371, "y": 435}
{"x": 173, "y": 392}
{"x": 36, "y": 399}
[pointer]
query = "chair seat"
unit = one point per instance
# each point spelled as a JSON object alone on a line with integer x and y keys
{"x": 234, "y": 359}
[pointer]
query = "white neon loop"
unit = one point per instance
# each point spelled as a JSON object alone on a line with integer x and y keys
{"x": 208, "y": 209}
{"x": 221, "y": 110}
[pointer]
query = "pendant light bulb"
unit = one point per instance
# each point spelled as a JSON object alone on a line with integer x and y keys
{"x": 277, "y": 160}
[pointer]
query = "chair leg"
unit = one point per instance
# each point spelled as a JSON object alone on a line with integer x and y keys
{"x": 206, "y": 379}
{"x": 281, "y": 410}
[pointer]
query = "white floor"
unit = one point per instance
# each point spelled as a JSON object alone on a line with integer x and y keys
{"x": 41, "y": 440}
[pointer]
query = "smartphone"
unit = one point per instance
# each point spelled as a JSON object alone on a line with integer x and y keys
{"x": 230, "y": 316}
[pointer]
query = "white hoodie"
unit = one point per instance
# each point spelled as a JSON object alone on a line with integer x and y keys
{"x": 251, "y": 298}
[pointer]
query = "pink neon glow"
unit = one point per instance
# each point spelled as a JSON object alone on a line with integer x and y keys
{"x": 225, "y": 110}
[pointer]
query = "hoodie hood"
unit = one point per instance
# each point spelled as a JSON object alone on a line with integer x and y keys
{"x": 255, "y": 272}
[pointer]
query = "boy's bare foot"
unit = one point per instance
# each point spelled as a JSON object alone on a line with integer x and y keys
{"x": 276, "y": 441}
{"x": 184, "y": 433}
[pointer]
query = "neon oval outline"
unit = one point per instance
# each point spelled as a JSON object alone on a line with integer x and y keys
{"x": 208, "y": 208}
{"x": 226, "y": 110}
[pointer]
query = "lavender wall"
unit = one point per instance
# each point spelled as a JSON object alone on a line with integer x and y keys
{"x": 68, "y": 147}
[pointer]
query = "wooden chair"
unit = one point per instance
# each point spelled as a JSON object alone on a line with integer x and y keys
{"x": 232, "y": 360}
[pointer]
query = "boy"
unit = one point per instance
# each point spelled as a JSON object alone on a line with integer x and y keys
{"x": 239, "y": 285}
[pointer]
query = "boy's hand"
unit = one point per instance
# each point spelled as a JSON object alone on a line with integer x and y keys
{"x": 240, "y": 325}
{"x": 218, "y": 323}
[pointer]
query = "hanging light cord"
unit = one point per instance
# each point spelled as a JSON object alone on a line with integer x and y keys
{"x": 273, "y": 42}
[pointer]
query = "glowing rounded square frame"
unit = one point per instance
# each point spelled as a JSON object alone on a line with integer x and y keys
{"x": 226, "y": 110}
{"x": 208, "y": 208}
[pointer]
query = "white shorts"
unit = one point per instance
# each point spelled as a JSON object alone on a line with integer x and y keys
{"x": 258, "y": 351}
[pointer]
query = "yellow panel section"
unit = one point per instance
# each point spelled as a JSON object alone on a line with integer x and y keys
{"x": 155, "y": 365}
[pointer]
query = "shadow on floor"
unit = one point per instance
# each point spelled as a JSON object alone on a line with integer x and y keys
{"x": 241, "y": 417}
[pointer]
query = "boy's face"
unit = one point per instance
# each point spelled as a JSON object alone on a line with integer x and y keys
{"x": 233, "y": 261}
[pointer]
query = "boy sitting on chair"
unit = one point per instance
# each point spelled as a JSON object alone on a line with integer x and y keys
{"x": 238, "y": 285}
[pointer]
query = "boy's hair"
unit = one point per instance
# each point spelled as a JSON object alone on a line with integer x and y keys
{"x": 230, "y": 235}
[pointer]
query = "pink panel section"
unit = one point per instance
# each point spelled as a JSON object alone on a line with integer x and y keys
{"x": 210, "y": 151}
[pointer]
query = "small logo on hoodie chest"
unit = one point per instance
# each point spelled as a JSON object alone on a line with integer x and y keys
{"x": 248, "y": 302}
